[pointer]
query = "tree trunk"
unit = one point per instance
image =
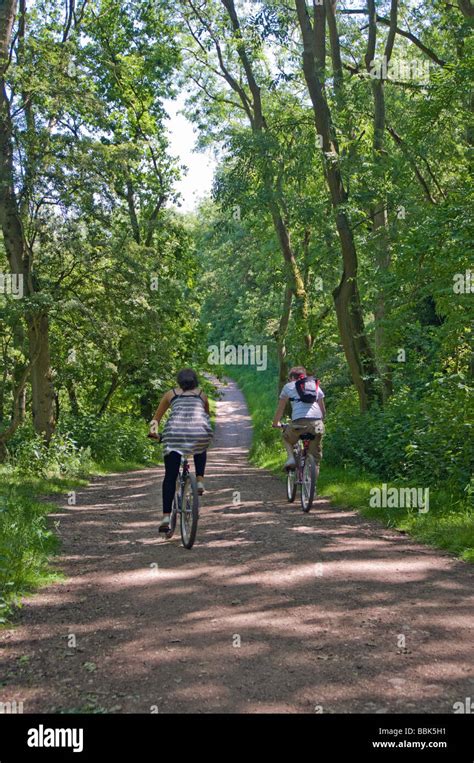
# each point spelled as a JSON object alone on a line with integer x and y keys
{"x": 16, "y": 248}
{"x": 350, "y": 322}
{"x": 350, "y": 319}
{"x": 146, "y": 407}
{"x": 280, "y": 336}
{"x": 319, "y": 26}
{"x": 296, "y": 281}
{"x": 73, "y": 403}
{"x": 16, "y": 413}
{"x": 43, "y": 395}
{"x": 259, "y": 125}
{"x": 467, "y": 8}
{"x": 3, "y": 387}
{"x": 19, "y": 408}
{"x": 113, "y": 386}
{"x": 379, "y": 208}
{"x": 382, "y": 244}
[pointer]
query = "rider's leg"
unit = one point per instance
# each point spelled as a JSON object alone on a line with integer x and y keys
{"x": 172, "y": 461}
{"x": 290, "y": 437}
{"x": 200, "y": 466}
{"x": 316, "y": 449}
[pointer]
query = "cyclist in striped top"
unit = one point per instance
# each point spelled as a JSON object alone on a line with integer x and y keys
{"x": 187, "y": 432}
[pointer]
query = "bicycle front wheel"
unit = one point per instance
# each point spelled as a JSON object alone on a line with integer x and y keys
{"x": 173, "y": 516}
{"x": 308, "y": 483}
{"x": 189, "y": 511}
{"x": 291, "y": 485}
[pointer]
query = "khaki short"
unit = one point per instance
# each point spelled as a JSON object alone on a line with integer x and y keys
{"x": 300, "y": 426}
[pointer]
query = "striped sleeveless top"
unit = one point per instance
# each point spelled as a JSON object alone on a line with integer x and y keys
{"x": 188, "y": 429}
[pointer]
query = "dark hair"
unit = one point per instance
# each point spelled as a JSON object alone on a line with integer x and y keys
{"x": 296, "y": 372}
{"x": 187, "y": 379}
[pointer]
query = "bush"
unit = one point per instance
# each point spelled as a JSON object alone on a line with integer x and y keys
{"x": 61, "y": 458}
{"x": 78, "y": 443}
{"x": 427, "y": 440}
{"x": 111, "y": 438}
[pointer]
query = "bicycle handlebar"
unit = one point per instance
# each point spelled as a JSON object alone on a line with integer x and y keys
{"x": 295, "y": 426}
{"x": 155, "y": 436}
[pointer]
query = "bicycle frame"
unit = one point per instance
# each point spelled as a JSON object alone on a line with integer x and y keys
{"x": 185, "y": 506}
{"x": 301, "y": 451}
{"x": 184, "y": 470}
{"x": 185, "y": 488}
{"x": 304, "y": 474}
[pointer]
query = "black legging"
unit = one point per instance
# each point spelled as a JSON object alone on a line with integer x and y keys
{"x": 172, "y": 463}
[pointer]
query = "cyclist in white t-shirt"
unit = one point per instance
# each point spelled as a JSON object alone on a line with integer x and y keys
{"x": 305, "y": 416}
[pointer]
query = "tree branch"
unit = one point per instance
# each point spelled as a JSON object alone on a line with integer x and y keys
{"x": 400, "y": 142}
{"x": 409, "y": 36}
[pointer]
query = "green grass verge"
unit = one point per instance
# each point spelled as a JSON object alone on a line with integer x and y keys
{"x": 26, "y": 539}
{"x": 449, "y": 523}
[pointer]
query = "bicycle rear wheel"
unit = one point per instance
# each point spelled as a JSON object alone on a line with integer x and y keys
{"x": 308, "y": 482}
{"x": 189, "y": 511}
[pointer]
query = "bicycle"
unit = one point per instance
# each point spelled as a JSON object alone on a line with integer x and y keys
{"x": 185, "y": 504}
{"x": 304, "y": 473}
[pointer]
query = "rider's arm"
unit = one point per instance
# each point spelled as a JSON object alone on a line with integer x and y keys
{"x": 163, "y": 406}
{"x": 279, "y": 411}
{"x": 323, "y": 407}
{"x": 205, "y": 400}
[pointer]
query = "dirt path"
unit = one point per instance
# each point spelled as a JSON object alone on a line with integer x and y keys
{"x": 331, "y": 612}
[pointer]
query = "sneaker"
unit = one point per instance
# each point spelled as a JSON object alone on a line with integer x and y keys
{"x": 200, "y": 486}
{"x": 290, "y": 464}
{"x": 165, "y": 524}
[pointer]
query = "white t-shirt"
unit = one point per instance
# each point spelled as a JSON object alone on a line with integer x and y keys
{"x": 300, "y": 410}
